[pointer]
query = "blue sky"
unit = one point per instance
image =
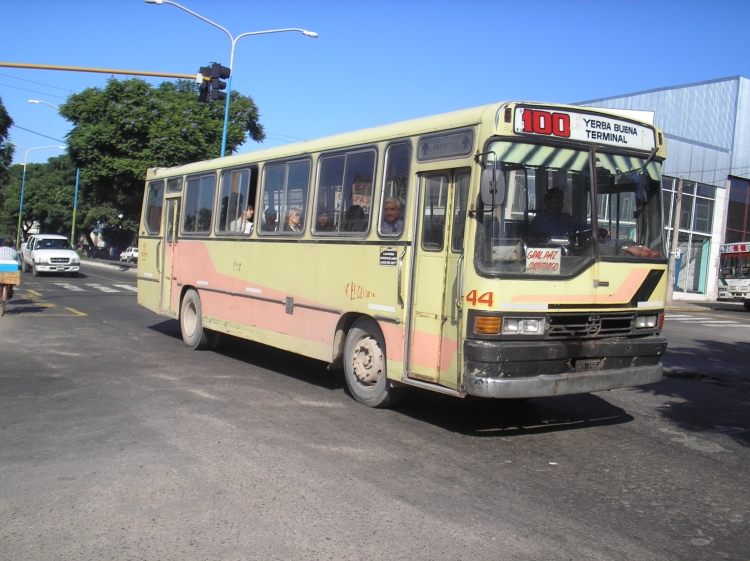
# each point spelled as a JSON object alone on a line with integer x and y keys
{"x": 375, "y": 62}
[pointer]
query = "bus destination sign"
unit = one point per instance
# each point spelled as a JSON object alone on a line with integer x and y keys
{"x": 583, "y": 126}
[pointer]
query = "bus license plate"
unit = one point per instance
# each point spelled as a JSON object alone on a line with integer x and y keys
{"x": 589, "y": 365}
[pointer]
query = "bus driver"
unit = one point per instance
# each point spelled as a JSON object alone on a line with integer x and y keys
{"x": 552, "y": 221}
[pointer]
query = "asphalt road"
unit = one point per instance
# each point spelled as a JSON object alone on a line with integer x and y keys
{"x": 117, "y": 442}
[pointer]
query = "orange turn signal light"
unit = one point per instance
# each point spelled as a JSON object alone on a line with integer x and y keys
{"x": 488, "y": 325}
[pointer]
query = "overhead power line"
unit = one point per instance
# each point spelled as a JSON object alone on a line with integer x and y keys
{"x": 39, "y": 134}
{"x": 33, "y": 91}
{"x": 38, "y": 83}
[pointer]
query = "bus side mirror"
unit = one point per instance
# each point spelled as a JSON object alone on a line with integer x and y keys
{"x": 492, "y": 182}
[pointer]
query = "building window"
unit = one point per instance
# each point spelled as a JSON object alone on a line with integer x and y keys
{"x": 738, "y": 216}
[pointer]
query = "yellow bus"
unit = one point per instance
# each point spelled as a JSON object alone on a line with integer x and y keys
{"x": 513, "y": 250}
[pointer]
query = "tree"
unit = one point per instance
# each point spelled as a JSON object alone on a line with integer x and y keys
{"x": 6, "y": 157}
{"x": 48, "y": 197}
{"x": 129, "y": 126}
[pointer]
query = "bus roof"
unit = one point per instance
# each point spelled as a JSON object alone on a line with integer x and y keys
{"x": 422, "y": 125}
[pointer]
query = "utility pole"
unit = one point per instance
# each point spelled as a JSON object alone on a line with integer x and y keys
{"x": 675, "y": 236}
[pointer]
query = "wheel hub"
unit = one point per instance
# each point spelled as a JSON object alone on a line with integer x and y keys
{"x": 368, "y": 361}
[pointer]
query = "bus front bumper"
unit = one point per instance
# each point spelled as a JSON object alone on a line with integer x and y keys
{"x": 548, "y": 368}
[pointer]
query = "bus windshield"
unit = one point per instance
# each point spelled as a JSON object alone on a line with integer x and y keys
{"x": 735, "y": 266}
{"x": 546, "y": 224}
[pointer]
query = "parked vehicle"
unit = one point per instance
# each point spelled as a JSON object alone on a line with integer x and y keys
{"x": 49, "y": 253}
{"x": 130, "y": 255}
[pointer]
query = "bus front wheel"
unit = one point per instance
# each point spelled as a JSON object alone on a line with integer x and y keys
{"x": 191, "y": 324}
{"x": 365, "y": 366}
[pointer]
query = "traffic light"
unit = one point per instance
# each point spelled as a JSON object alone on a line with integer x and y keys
{"x": 204, "y": 88}
{"x": 217, "y": 74}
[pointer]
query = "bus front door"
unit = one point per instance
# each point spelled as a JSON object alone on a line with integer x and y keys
{"x": 433, "y": 341}
{"x": 169, "y": 244}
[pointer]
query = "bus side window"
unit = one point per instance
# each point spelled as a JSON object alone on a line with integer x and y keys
{"x": 234, "y": 198}
{"x": 284, "y": 195}
{"x": 154, "y": 202}
{"x": 199, "y": 202}
{"x": 344, "y": 198}
{"x": 395, "y": 191}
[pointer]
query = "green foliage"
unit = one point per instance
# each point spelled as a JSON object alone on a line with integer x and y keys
{"x": 6, "y": 149}
{"x": 129, "y": 126}
{"x": 48, "y": 196}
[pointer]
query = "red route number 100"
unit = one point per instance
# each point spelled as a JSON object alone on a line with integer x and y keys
{"x": 544, "y": 122}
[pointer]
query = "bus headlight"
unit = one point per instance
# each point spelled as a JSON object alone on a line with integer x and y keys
{"x": 645, "y": 322}
{"x": 523, "y": 326}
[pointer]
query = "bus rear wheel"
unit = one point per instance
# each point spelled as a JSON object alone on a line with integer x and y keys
{"x": 191, "y": 323}
{"x": 365, "y": 366}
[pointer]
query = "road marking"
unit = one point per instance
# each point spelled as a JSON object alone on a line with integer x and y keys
{"x": 34, "y": 293}
{"x": 68, "y": 286}
{"x": 76, "y": 312}
{"x": 127, "y": 287}
{"x": 103, "y": 288}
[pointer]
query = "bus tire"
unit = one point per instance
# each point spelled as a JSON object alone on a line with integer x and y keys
{"x": 191, "y": 324}
{"x": 365, "y": 366}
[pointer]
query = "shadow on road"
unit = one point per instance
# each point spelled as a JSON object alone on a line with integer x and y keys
{"x": 470, "y": 416}
{"x": 710, "y": 387}
{"x": 506, "y": 418}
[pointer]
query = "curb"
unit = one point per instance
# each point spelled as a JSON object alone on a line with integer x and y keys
{"x": 121, "y": 267}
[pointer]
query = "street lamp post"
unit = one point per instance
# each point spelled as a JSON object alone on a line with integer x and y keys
{"x": 78, "y": 178}
{"x": 23, "y": 183}
{"x": 231, "y": 56}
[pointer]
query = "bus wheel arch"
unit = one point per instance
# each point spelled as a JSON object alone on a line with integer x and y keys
{"x": 365, "y": 365}
{"x": 339, "y": 338}
{"x": 191, "y": 320}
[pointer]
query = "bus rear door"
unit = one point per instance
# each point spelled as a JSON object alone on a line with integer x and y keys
{"x": 433, "y": 338}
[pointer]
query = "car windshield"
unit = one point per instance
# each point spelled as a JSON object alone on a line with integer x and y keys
{"x": 546, "y": 224}
{"x": 52, "y": 244}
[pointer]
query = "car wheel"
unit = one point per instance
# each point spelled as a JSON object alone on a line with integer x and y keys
{"x": 24, "y": 267}
{"x": 191, "y": 323}
{"x": 365, "y": 366}
{"x": 34, "y": 271}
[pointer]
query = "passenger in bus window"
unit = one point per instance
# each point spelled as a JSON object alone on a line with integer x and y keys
{"x": 354, "y": 219}
{"x": 324, "y": 222}
{"x": 392, "y": 221}
{"x": 293, "y": 220}
{"x": 552, "y": 221}
{"x": 270, "y": 223}
{"x": 243, "y": 224}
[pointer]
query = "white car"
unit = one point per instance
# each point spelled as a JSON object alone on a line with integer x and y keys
{"x": 49, "y": 253}
{"x": 130, "y": 254}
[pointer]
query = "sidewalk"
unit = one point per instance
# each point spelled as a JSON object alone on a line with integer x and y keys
{"x": 697, "y": 307}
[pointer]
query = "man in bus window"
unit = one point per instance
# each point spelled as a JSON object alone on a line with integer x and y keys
{"x": 552, "y": 221}
{"x": 324, "y": 222}
{"x": 392, "y": 222}
{"x": 293, "y": 221}
{"x": 270, "y": 223}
